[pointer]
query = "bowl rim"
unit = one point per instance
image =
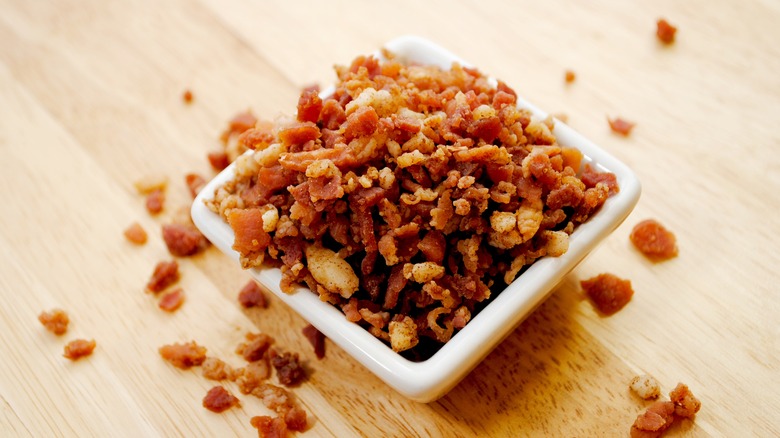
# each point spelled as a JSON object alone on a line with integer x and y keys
{"x": 428, "y": 380}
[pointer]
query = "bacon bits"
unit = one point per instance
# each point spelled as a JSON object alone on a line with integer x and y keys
{"x": 218, "y": 160}
{"x": 569, "y": 76}
{"x": 183, "y": 356}
{"x": 665, "y": 31}
{"x": 171, "y": 300}
{"x": 252, "y": 296}
{"x": 219, "y": 399}
{"x": 269, "y": 427}
{"x": 136, "y": 234}
{"x": 316, "y": 339}
{"x": 183, "y": 240}
{"x": 685, "y": 403}
{"x": 187, "y": 96}
{"x": 608, "y": 292}
{"x": 55, "y": 321}
{"x": 660, "y": 415}
{"x": 288, "y": 368}
{"x": 194, "y": 183}
{"x": 164, "y": 275}
{"x": 155, "y": 201}
{"x": 79, "y": 348}
{"x": 621, "y": 126}
{"x": 654, "y": 241}
{"x": 255, "y": 346}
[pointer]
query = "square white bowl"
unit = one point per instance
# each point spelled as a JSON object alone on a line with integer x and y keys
{"x": 428, "y": 380}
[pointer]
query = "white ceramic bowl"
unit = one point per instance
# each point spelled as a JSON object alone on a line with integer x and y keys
{"x": 426, "y": 381}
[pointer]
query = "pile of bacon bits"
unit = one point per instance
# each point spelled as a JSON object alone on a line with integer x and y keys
{"x": 57, "y": 321}
{"x": 407, "y": 198}
{"x": 261, "y": 358}
{"x": 660, "y": 415}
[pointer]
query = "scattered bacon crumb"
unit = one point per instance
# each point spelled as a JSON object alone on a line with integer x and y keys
{"x": 195, "y": 183}
{"x": 164, "y": 275}
{"x": 183, "y": 356}
{"x": 216, "y": 369}
{"x": 269, "y": 427}
{"x": 219, "y": 399}
{"x": 620, "y": 126}
{"x": 187, "y": 96}
{"x": 155, "y": 201}
{"x": 79, "y": 348}
{"x": 183, "y": 239}
{"x": 135, "y": 233}
{"x": 55, "y": 321}
{"x": 570, "y": 76}
{"x": 608, "y": 292}
{"x": 685, "y": 403}
{"x": 172, "y": 300}
{"x": 255, "y": 346}
{"x": 317, "y": 340}
{"x": 665, "y": 31}
{"x": 252, "y": 296}
{"x": 654, "y": 241}
{"x": 288, "y": 368}
{"x": 218, "y": 160}
{"x": 654, "y": 421}
{"x": 295, "y": 419}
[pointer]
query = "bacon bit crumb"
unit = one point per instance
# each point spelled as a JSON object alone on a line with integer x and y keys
{"x": 183, "y": 240}
{"x": 187, "y": 96}
{"x": 295, "y": 419}
{"x": 183, "y": 356}
{"x": 685, "y": 403}
{"x": 665, "y": 31}
{"x": 288, "y": 368}
{"x": 269, "y": 427}
{"x": 317, "y": 340}
{"x": 195, "y": 183}
{"x": 608, "y": 292}
{"x": 620, "y": 126}
{"x": 252, "y": 296}
{"x": 164, "y": 275}
{"x": 172, "y": 300}
{"x": 218, "y": 160}
{"x": 219, "y": 399}
{"x": 654, "y": 241}
{"x": 155, "y": 201}
{"x": 79, "y": 348}
{"x": 216, "y": 369}
{"x": 570, "y": 76}
{"x": 255, "y": 347}
{"x": 55, "y": 321}
{"x": 135, "y": 233}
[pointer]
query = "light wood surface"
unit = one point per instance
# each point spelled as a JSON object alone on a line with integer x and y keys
{"x": 90, "y": 101}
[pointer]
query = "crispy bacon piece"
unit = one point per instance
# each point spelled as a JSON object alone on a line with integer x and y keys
{"x": 218, "y": 160}
{"x": 183, "y": 356}
{"x": 135, "y": 233}
{"x": 309, "y": 106}
{"x": 164, "y": 275}
{"x": 608, "y": 292}
{"x": 248, "y": 228}
{"x": 252, "y": 296}
{"x": 55, "y": 321}
{"x": 255, "y": 346}
{"x": 238, "y": 124}
{"x": 194, "y": 183}
{"x": 665, "y": 31}
{"x": 654, "y": 241}
{"x": 685, "y": 403}
{"x": 621, "y": 126}
{"x": 183, "y": 240}
{"x": 171, "y": 300}
{"x": 219, "y": 399}
{"x": 316, "y": 339}
{"x": 569, "y": 76}
{"x": 269, "y": 427}
{"x": 79, "y": 348}
{"x": 288, "y": 368}
{"x": 155, "y": 201}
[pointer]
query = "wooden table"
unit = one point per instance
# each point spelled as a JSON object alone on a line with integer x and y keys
{"x": 91, "y": 100}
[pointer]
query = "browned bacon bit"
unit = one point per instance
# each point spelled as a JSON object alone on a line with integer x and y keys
{"x": 183, "y": 239}
{"x": 164, "y": 275}
{"x": 218, "y": 160}
{"x": 135, "y": 233}
{"x": 288, "y": 368}
{"x": 608, "y": 292}
{"x": 252, "y": 376}
{"x": 195, "y": 183}
{"x": 269, "y": 427}
{"x": 55, "y": 321}
{"x": 155, "y": 201}
{"x": 317, "y": 340}
{"x": 685, "y": 403}
{"x": 183, "y": 356}
{"x": 219, "y": 399}
{"x": 295, "y": 419}
{"x": 251, "y": 238}
{"x": 654, "y": 421}
{"x": 238, "y": 124}
{"x": 665, "y": 31}
{"x": 620, "y": 126}
{"x": 187, "y": 96}
{"x": 79, "y": 348}
{"x": 653, "y": 240}
{"x": 216, "y": 369}
{"x": 255, "y": 346}
{"x": 172, "y": 300}
{"x": 252, "y": 296}
{"x": 569, "y": 76}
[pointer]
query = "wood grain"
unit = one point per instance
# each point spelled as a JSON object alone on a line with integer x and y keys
{"x": 90, "y": 101}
